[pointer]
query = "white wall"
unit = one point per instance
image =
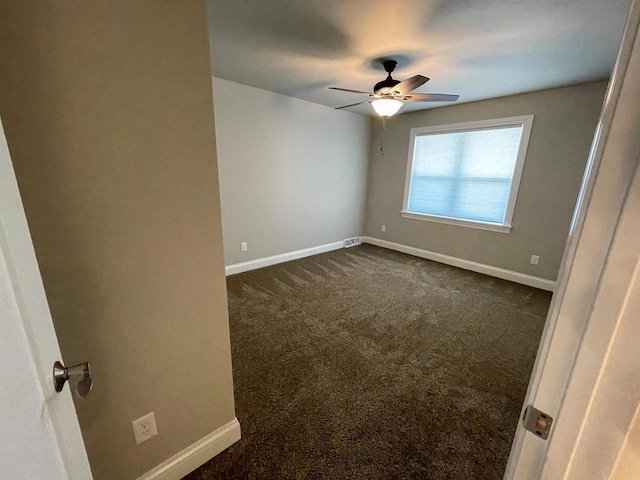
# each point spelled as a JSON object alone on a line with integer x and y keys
{"x": 292, "y": 173}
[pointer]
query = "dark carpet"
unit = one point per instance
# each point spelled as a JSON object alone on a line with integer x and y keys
{"x": 365, "y": 363}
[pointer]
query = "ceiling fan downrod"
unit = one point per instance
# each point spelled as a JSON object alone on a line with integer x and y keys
{"x": 388, "y": 83}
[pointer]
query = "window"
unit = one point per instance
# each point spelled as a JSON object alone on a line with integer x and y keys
{"x": 467, "y": 173}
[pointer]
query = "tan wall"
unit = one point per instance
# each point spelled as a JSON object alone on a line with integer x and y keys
{"x": 108, "y": 113}
{"x": 563, "y": 128}
{"x": 293, "y": 174}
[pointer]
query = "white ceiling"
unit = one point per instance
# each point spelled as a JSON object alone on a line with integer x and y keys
{"x": 477, "y": 49}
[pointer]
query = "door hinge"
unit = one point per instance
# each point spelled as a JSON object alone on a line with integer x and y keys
{"x": 537, "y": 422}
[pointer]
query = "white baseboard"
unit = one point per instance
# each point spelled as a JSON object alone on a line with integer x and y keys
{"x": 197, "y": 454}
{"x": 523, "y": 278}
{"x": 283, "y": 257}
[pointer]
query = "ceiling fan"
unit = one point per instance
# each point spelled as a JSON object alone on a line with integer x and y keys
{"x": 389, "y": 95}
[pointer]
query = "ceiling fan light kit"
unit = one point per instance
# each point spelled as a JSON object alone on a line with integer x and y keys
{"x": 386, "y": 107}
{"x": 389, "y": 95}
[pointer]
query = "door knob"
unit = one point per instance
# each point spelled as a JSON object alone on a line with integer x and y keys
{"x": 79, "y": 377}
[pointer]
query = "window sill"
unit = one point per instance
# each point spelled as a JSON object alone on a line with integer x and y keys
{"x": 492, "y": 227}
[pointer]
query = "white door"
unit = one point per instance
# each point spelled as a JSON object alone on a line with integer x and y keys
{"x": 40, "y": 436}
{"x": 561, "y": 383}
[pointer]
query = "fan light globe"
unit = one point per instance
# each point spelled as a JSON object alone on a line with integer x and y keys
{"x": 385, "y": 107}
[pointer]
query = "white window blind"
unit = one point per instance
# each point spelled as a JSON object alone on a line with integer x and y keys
{"x": 467, "y": 174}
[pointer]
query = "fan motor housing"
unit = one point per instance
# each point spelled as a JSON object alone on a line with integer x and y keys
{"x": 388, "y": 83}
{"x": 388, "y": 89}
{"x": 385, "y": 85}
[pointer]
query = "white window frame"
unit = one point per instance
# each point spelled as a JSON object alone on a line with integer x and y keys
{"x": 526, "y": 121}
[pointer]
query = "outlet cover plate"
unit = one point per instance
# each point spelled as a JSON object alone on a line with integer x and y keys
{"x": 144, "y": 428}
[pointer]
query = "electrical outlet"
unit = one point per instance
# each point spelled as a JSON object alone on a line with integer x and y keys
{"x": 383, "y": 228}
{"x": 535, "y": 259}
{"x": 243, "y": 246}
{"x": 144, "y": 428}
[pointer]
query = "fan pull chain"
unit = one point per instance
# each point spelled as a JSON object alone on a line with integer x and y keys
{"x": 384, "y": 128}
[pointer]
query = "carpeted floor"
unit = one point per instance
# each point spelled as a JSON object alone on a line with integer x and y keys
{"x": 365, "y": 363}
